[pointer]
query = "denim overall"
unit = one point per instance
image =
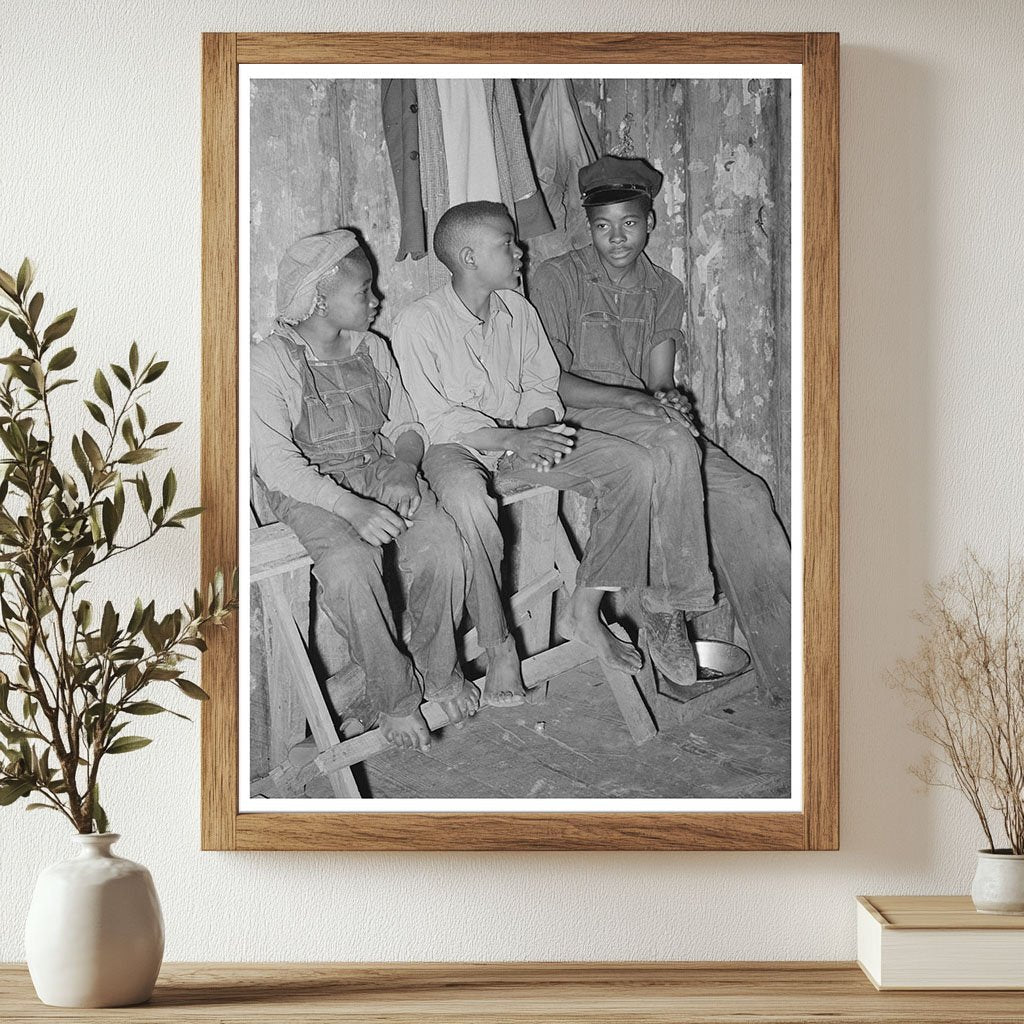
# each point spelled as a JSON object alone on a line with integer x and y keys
{"x": 611, "y": 344}
{"x": 749, "y": 545}
{"x": 614, "y": 330}
{"x": 344, "y": 403}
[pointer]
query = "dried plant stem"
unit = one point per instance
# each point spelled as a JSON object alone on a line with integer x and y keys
{"x": 967, "y": 679}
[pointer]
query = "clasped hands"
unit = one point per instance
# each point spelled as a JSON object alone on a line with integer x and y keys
{"x": 670, "y": 405}
{"x": 380, "y": 521}
{"x": 544, "y": 446}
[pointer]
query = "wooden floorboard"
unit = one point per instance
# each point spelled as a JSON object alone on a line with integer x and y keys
{"x": 576, "y": 746}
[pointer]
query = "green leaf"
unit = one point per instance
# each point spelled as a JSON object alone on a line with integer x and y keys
{"x": 140, "y": 415}
{"x": 133, "y": 358}
{"x": 26, "y": 273}
{"x": 128, "y": 433}
{"x": 143, "y": 707}
{"x": 108, "y": 626}
{"x": 20, "y": 328}
{"x": 4, "y": 314}
{"x": 34, "y": 308}
{"x": 12, "y": 733}
{"x": 154, "y": 371}
{"x": 109, "y": 521}
{"x": 121, "y": 374}
{"x": 92, "y": 449}
{"x": 119, "y": 499}
{"x": 145, "y": 498}
{"x": 7, "y": 283}
{"x": 129, "y": 653}
{"x": 191, "y": 690}
{"x": 165, "y": 428}
{"x": 83, "y": 613}
{"x": 170, "y": 674}
{"x": 170, "y": 488}
{"x": 99, "y": 816}
{"x": 80, "y": 458}
{"x": 14, "y": 790}
{"x": 137, "y": 616}
{"x": 138, "y": 455}
{"x": 102, "y": 388}
{"x": 126, "y": 744}
{"x": 60, "y": 326}
{"x": 63, "y": 359}
{"x": 41, "y": 807}
{"x": 95, "y": 412}
{"x": 185, "y": 513}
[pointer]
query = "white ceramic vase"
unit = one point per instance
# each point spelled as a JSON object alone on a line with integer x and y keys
{"x": 95, "y": 934}
{"x": 999, "y": 883}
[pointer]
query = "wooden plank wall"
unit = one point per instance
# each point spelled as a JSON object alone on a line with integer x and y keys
{"x": 319, "y": 161}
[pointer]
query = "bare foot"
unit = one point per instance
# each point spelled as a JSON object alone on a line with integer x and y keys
{"x": 464, "y": 704}
{"x": 406, "y": 731}
{"x": 503, "y": 684}
{"x": 583, "y": 622}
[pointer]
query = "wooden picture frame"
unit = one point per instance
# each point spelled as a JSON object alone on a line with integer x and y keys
{"x": 816, "y": 825}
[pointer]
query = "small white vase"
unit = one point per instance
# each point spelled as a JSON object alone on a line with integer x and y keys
{"x": 95, "y": 934}
{"x": 999, "y": 883}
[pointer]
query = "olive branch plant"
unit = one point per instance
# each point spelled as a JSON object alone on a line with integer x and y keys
{"x": 967, "y": 681}
{"x": 79, "y": 675}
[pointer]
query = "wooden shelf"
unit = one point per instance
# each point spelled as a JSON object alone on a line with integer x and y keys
{"x": 639, "y": 993}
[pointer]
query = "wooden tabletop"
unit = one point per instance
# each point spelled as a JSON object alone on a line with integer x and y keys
{"x": 641, "y": 993}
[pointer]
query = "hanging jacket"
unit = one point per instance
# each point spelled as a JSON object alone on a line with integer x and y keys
{"x": 400, "y": 109}
{"x": 519, "y": 189}
{"x": 433, "y": 173}
{"x": 468, "y": 141}
{"x": 560, "y": 146}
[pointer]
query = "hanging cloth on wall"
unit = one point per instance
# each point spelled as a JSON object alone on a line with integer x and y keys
{"x": 468, "y": 141}
{"x": 519, "y": 189}
{"x": 560, "y": 146}
{"x": 400, "y": 111}
{"x": 433, "y": 172}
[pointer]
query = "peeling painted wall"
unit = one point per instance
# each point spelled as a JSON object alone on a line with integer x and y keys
{"x": 319, "y": 161}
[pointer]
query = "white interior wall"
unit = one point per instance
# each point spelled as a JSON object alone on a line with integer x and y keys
{"x": 100, "y": 184}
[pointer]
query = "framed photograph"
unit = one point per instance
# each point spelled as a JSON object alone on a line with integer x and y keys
{"x": 520, "y": 418}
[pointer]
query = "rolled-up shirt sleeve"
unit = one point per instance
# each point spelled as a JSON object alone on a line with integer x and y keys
{"x": 668, "y": 319}
{"x": 445, "y": 420}
{"x": 540, "y": 371}
{"x": 275, "y": 392}
{"x": 550, "y": 293}
{"x": 401, "y": 413}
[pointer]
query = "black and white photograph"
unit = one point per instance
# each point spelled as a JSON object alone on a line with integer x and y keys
{"x": 524, "y": 496}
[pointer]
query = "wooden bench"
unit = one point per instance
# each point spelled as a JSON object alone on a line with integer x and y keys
{"x": 280, "y": 577}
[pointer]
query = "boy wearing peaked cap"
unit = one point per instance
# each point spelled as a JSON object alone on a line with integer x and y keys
{"x": 613, "y": 318}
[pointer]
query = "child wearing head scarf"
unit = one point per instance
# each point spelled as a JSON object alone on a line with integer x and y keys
{"x": 337, "y": 445}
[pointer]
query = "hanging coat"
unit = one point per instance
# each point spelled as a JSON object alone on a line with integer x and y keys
{"x": 560, "y": 146}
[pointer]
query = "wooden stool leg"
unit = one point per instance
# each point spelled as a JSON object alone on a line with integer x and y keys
{"x": 634, "y": 711}
{"x": 534, "y": 523}
{"x": 290, "y": 665}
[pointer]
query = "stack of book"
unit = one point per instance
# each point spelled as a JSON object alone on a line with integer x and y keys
{"x": 907, "y": 942}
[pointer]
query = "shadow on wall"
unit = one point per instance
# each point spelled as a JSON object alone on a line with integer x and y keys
{"x": 888, "y": 261}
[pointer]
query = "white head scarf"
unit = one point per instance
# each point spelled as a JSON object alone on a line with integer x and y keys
{"x": 304, "y": 265}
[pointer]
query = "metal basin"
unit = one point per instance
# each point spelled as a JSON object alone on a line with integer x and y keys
{"x": 718, "y": 661}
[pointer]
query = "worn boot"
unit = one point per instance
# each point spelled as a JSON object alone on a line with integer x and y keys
{"x": 669, "y": 645}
